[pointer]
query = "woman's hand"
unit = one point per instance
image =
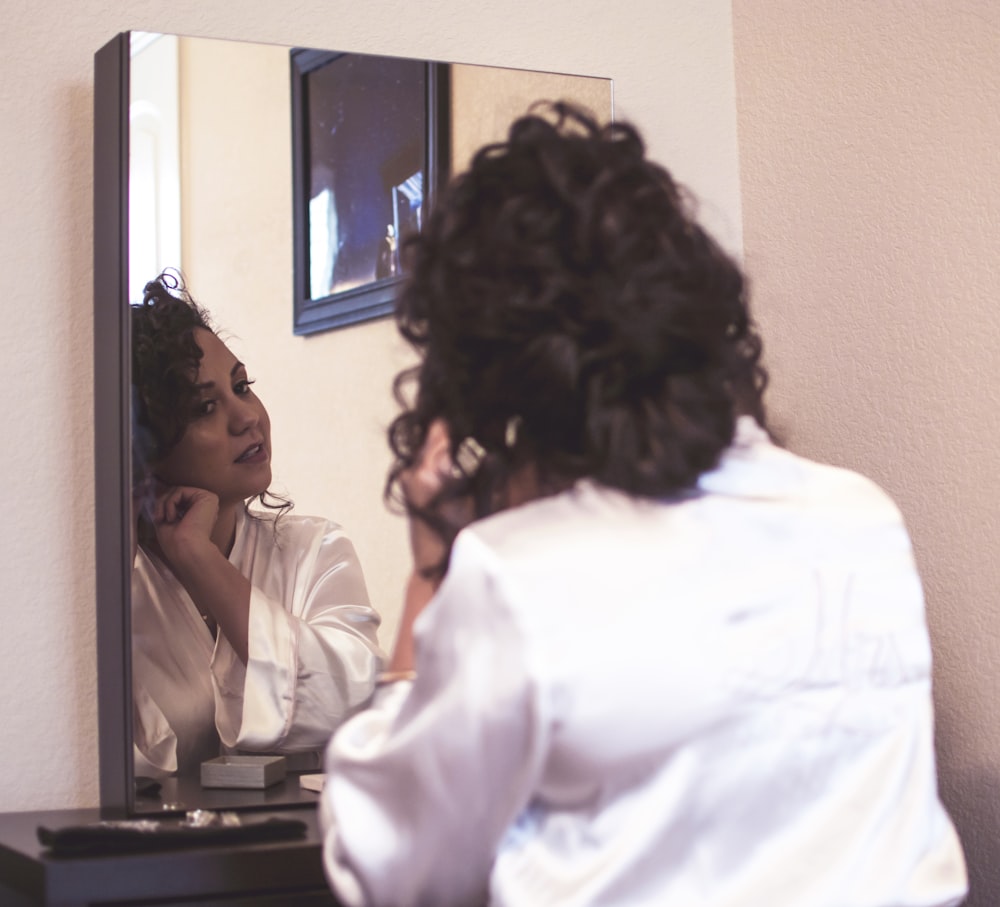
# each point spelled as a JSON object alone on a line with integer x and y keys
{"x": 195, "y": 544}
{"x": 421, "y": 484}
{"x": 185, "y": 521}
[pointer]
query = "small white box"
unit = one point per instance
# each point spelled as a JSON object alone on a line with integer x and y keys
{"x": 312, "y": 782}
{"x": 256, "y": 772}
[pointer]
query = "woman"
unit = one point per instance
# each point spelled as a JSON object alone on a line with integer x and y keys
{"x": 251, "y": 629}
{"x": 667, "y": 662}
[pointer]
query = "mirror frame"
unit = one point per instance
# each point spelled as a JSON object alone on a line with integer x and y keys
{"x": 112, "y": 417}
{"x": 112, "y": 404}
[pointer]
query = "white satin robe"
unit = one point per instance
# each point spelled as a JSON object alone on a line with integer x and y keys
{"x": 313, "y": 652}
{"x": 718, "y": 701}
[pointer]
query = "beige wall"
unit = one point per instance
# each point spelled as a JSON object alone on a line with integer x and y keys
{"x": 871, "y": 196}
{"x": 488, "y": 98}
{"x": 673, "y": 69}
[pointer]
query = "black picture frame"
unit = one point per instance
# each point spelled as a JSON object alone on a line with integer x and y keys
{"x": 343, "y": 105}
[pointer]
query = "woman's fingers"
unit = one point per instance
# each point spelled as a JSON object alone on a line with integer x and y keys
{"x": 183, "y": 508}
{"x": 423, "y": 481}
{"x": 172, "y": 504}
{"x": 422, "y": 485}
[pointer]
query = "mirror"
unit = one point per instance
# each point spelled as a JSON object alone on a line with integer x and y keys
{"x": 206, "y": 127}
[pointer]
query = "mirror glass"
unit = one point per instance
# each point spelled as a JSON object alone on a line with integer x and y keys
{"x": 210, "y": 194}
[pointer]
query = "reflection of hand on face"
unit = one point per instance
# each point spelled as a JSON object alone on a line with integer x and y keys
{"x": 222, "y": 459}
{"x": 187, "y": 525}
{"x": 224, "y": 453}
{"x": 184, "y": 519}
{"x": 201, "y": 450}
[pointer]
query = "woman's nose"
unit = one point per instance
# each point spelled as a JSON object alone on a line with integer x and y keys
{"x": 243, "y": 416}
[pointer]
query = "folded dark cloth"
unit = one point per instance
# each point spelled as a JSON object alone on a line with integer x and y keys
{"x": 142, "y": 835}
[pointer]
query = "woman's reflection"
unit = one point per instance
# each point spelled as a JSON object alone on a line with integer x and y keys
{"x": 251, "y": 627}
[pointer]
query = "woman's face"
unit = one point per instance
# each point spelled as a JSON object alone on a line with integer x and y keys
{"x": 226, "y": 448}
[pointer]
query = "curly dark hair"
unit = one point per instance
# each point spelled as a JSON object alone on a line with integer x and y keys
{"x": 570, "y": 312}
{"x": 165, "y": 362}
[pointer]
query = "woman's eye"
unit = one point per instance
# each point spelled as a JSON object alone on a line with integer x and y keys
{"x": 242, "y": 387}
{"x": 204, "y": 408}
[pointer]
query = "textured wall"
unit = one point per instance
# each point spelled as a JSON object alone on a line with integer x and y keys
{"x": 673, "y": 69}
{"x": 871, "y": 195}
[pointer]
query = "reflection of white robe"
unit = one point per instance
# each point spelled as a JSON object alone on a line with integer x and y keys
{"x": 312, "y": 649}
{"x": 718, "y": 700}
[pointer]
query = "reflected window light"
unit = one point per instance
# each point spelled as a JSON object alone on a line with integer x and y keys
{"x": 407, "y": 204}
{"x": 154, "y": 160}
{"x": 322, "y": 243}
{"x": 143, "y": 245}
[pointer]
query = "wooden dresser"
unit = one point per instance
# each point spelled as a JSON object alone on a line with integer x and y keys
{"x": 275, "y": 874}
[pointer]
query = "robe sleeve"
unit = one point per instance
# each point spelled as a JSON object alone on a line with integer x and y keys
{"x": 154, "y": 748}
{"x": 312, "y": 657}
{"x": 422, "y": 786}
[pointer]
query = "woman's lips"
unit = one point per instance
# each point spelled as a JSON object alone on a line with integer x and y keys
{"x": 254, "y": 454}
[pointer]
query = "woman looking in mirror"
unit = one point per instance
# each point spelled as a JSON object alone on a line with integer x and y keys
{"x": 251, "y": 628}
{"x": 669, "y": 662}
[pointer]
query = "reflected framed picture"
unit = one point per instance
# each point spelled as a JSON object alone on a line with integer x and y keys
{"x": 370, "y": 145}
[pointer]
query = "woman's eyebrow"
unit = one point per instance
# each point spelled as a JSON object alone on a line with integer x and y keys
{"x": 208, "y": 385}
